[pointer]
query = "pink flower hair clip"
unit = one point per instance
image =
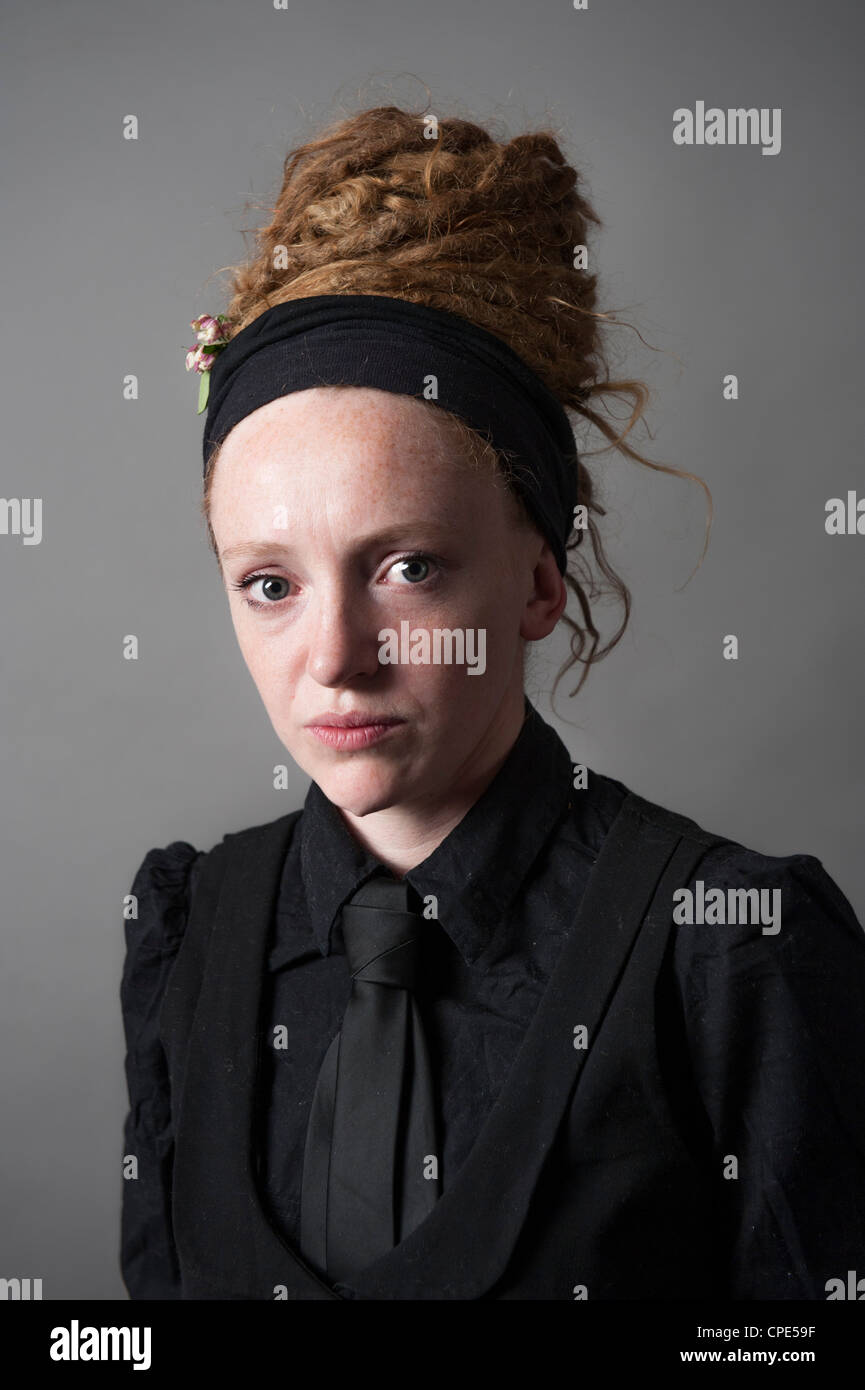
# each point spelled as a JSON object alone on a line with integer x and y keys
{"x": 211, "y": 340}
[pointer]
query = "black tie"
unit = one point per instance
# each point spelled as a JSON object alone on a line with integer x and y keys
{"x": 370, "y": 1168}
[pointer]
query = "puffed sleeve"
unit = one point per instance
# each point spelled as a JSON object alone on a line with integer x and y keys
{"x": 162, "y": 886}
{"x": 774, "y": 1011}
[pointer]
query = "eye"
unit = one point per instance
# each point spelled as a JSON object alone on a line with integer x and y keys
{"x": 266, "y": 581}
{"x": 413, "y": 568}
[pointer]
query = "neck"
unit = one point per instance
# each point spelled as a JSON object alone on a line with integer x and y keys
{"x": 403, "y": 836}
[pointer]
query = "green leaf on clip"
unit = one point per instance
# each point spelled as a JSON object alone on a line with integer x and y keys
{"x": 203, "y": 391}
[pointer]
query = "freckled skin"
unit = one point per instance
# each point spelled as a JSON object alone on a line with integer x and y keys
{"x": 348, "y": 464}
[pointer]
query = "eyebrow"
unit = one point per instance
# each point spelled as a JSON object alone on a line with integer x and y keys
{"x": 422, "y": 529}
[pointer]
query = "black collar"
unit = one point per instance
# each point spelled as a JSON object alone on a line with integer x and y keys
{"x": 477, "y": 869}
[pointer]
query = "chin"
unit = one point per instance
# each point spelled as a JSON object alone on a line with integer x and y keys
{"x": 361, "y": 790}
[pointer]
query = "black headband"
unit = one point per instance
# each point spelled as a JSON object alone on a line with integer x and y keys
{"x": 396, "y": 345}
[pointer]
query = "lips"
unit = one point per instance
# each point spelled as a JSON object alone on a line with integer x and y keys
{"x": 353, "y": 730}
{"x": 353, "y": 720}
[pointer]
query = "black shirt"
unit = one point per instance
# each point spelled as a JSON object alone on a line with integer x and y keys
{"x": 763, "y": 1043}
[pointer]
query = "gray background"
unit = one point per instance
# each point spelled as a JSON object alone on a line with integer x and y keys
{"x": 725, "y": 259}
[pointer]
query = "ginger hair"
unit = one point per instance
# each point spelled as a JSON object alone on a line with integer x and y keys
{"x": 436, "y": 211}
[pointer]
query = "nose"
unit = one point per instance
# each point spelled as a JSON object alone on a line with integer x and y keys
{"x": 343, "y": 638}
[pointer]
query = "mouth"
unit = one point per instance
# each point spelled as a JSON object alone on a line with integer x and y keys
{"x": 355, "y": 730}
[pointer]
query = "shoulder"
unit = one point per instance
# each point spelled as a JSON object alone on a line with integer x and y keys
{"x": 604, "y": 803}
{"x": 155, "y": 916}
{"x": 734, "y": 886}
{"x": 746, "y": 915}
{"x": 789, "y": 897}
{"x": 769, "y": 956}
{"x": 162, "y": 883}
{"x": 766, "y": 954}
{"x": 768, "y": 977}
{"x": 167, "y": 878}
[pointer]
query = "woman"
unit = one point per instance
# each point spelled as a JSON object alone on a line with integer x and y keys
{"x": 474, "y": 1023}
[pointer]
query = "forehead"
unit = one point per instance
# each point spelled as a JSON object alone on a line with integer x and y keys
{"x": 331, "y": 419}
{"x": 359, "y": 440}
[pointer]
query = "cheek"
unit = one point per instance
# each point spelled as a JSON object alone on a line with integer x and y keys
{"x": 499, "y": 613}
{"x": 259, "y": 653}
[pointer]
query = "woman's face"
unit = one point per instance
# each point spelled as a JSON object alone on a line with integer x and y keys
{"x": 344, "y": 512}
